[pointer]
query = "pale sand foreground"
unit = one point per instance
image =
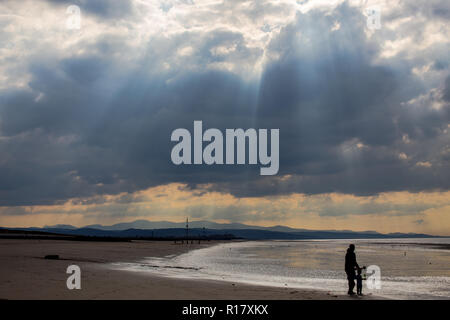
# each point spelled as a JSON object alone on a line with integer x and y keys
{"x": 25, "y": 274}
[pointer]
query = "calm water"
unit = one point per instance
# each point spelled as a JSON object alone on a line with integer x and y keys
{"x": 410, "y": 268}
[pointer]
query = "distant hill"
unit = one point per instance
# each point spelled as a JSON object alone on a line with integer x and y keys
{"x": 145, "y": 224}
{"x": 166, "y": 229}
{"x": 61, "y": 226}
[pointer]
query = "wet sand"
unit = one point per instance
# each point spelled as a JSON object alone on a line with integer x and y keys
{"x": 25, "y": 274}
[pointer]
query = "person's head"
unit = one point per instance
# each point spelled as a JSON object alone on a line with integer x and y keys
{"x": 351, "y": 247}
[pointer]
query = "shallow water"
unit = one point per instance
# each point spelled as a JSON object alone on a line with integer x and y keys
{"x": 410, "y": 268}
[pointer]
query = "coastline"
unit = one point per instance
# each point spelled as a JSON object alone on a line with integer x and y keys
{"x": 25, "y": 274}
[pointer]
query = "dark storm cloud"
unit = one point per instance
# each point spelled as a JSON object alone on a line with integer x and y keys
{"x": 446, "y": 92}
{"x": 99, "y": 127}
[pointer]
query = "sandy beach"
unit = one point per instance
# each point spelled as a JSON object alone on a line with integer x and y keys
{"x": 25, "y": 274}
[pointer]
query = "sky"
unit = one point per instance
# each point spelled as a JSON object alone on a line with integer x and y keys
{"x": 87, "y": 111}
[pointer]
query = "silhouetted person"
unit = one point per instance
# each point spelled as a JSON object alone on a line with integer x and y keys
{"x": 359, "y": 280}
{"x": 350, "y": 265}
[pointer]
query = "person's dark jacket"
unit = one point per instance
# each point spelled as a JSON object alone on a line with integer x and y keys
{"x": 350, "y": 262}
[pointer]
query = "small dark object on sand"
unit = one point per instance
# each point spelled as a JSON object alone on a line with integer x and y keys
{"x": 52, "y": 257}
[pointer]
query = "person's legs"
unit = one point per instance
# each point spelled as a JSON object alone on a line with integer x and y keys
{"x": 351, "y": 282}
{"x": 351, "y": 285}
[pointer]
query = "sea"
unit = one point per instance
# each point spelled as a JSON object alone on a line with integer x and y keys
{"x": 399, "y": 268}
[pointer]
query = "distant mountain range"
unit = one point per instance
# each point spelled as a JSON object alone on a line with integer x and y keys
{"x": 166, "y": 229}
{"x": 145, "y": 225}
